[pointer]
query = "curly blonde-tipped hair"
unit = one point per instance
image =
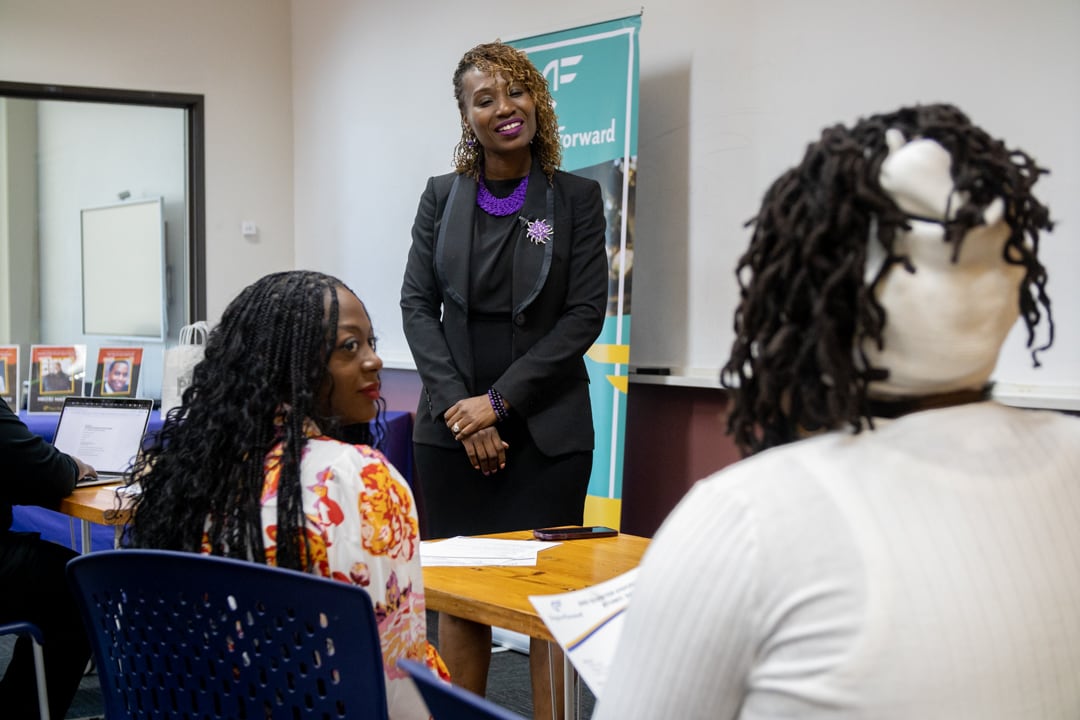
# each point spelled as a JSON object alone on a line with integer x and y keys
{"x": 515, "y": 66}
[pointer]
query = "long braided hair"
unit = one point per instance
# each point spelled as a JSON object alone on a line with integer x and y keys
{"x": 806, "y": 308}
{"x": 515, "y": 66}
{"x": 202, "y": 478}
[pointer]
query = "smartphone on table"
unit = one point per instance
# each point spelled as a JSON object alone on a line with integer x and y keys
{"x": 574, "y": 532}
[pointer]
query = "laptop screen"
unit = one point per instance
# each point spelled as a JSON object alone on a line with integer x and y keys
{"x": 103, "y": 432}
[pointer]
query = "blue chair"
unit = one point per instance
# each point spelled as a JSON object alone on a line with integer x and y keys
{"x": 34, "y": 633}
{"x": 185, "y": 635}
{"x": 450, "y": 702}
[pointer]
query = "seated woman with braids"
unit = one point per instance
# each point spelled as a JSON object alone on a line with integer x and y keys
{"x": 897, "y": 545}
{"x": 248, "y": 465}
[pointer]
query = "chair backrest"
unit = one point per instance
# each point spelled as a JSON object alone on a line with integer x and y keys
{"x": 450, "y": 702}
{"x": 181, "y": 635}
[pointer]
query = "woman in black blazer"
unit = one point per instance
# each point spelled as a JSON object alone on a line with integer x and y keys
{"x": 504, "y": 291}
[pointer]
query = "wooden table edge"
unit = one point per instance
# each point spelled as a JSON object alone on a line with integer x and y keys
{"x": 525, "y": 621}
{"x": 96, "y": 504}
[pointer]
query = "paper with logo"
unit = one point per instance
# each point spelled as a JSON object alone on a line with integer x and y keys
{"x": 9, "y": 375}
{"x": 587, "y": 625}
{"x": 56, "y": 371}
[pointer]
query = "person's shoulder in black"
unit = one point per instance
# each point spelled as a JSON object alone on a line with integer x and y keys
{"x": 35, "y": 472}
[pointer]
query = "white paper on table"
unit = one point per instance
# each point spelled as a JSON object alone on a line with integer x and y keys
{"x": 474, "y": 551}
{"x": 587, "y": 624}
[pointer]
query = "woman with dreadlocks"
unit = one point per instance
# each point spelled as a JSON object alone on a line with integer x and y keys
{"x": 248, "y": 465}
{"x": 898, "y": 545}
{"x": 504, "y": 291}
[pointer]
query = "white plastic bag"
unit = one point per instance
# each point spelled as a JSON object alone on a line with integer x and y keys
{"x": 180, "y": 360}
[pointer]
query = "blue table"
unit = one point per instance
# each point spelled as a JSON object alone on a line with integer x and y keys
{"x": 60, "y": 528}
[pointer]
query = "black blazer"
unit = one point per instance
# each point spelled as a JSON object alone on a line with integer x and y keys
{"x": 559, "y": 292}
{"x": 34, "y": 472}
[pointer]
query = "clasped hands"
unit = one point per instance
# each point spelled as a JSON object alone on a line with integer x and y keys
{"x": 472, "y": 421}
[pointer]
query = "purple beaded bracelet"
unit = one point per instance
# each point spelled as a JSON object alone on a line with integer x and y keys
{"x": 496, "y": 400}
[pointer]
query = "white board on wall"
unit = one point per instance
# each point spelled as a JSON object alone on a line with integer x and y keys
{"x": 731, "y": 100}
{"x": 123, "y": 270}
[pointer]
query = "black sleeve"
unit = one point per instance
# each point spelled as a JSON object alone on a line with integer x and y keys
{"x": 422, "y": 310}
{"x": 34, "y": 472}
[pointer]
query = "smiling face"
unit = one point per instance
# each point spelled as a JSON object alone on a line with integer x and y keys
{"x": 352, "y": 384}
{"x": 502, "y": 115}
{"x": 118, "y": 376}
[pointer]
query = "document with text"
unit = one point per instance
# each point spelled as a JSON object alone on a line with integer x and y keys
{"x": 587, "y": 624}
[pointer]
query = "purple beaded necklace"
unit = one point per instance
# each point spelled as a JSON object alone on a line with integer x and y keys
{"x": 501, "y": 207}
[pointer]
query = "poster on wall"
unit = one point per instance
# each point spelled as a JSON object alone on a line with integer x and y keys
{"x": 117, "y": 372}
{"x": 56, "y": 371}
{"x": 592, "y": 72}
{"x": 9, "y": 375}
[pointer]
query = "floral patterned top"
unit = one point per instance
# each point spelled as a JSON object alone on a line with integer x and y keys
{"x": 362, "y": 528}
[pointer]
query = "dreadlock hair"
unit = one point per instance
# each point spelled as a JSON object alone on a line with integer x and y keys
{"x": 202, "y": 478}
{"x": 805, "y": 308}
{"x": 514, "y": 65}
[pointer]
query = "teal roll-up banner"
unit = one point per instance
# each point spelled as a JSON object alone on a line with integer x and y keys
{"x": 592, "y": 72}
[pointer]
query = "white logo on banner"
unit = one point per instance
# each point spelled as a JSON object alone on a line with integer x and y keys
{"x": 601, "y": 136}
{"x": 553, "y": 71}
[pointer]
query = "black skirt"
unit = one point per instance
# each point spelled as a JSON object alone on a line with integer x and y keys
{"x": 533, "y": 490}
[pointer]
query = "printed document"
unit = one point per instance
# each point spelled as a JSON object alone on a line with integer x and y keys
{"x": 587, "y": 624}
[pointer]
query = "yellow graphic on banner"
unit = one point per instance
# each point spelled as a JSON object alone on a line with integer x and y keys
{"x": 616, "y": 354}
{"x": 620, "y": 382}
{"x": 603, "y": 511}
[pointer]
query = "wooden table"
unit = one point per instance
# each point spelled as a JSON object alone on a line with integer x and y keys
{"x": 499, "y": 595}
{"x": 95, "y": 504}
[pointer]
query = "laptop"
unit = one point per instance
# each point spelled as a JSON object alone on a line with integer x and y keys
{"x": 104, "y": 432}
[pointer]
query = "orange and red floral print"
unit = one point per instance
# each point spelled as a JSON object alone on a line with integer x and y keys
{"x": 361, "y": 528}
{"x": 390, "y": 523}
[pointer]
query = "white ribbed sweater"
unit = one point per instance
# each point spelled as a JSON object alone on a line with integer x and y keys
{"x": 927, "y": 569}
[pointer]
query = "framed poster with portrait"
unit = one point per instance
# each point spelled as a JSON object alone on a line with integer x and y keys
{"x": 56, "y": 371}
{"x": 9, "y": 375}
{"x": 117, "y": 372}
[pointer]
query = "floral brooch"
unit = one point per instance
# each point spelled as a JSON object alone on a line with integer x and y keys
{"x": 538, "y": 231}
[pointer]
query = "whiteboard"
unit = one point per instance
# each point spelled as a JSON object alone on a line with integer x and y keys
{"x": 123, "y": 270}
{"x": 723, "y": 119}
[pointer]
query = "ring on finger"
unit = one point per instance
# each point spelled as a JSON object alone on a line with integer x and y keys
{"x": 456, "y": 428}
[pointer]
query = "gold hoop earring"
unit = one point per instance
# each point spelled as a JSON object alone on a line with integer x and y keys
{"x": 468, "y": 137}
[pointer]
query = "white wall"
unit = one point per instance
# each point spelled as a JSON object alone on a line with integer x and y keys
{"x": 236, "y": 53}
{"x": 731, "y": 93}
{"x": 374, "y": 116}
{"x": 21, "y": 319}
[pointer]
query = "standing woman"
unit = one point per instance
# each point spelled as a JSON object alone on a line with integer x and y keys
{"x": 250, "y": 465}
{"x": 504, "y": 291}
